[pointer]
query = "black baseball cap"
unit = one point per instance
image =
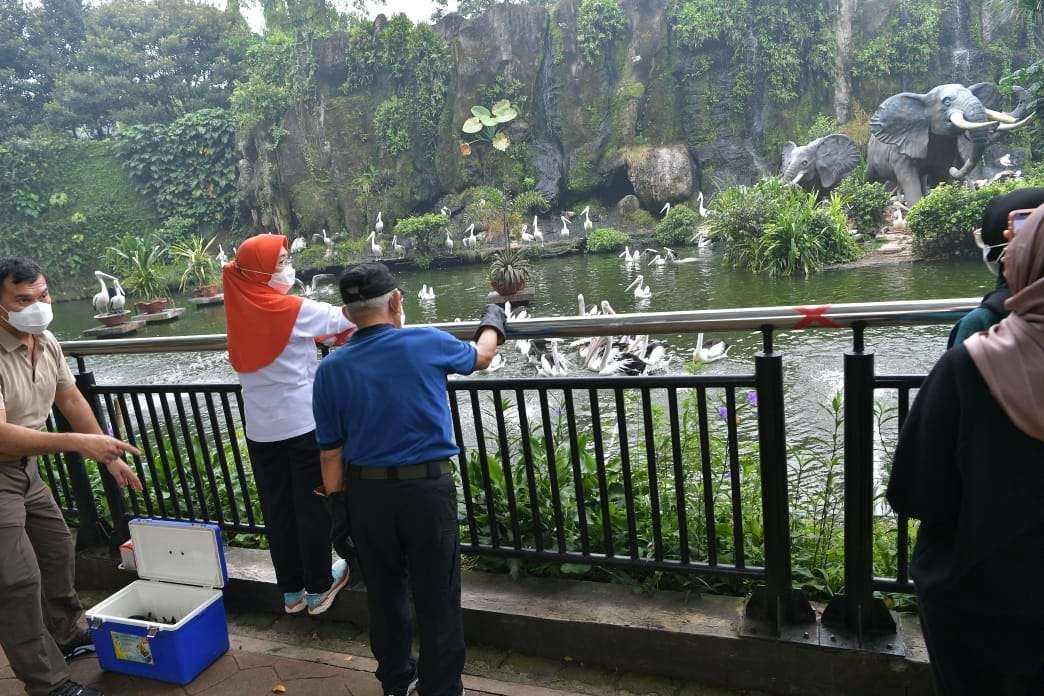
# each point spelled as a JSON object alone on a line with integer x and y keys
{"x": 995, "y": 216}
{"x": 365, "y": 281}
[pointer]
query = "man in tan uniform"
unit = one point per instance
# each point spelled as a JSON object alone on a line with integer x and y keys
{"x": 39, "y": 610}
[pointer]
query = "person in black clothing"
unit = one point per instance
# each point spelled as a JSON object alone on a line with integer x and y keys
{"x": 970, "y": 466}
{"x": 994, "y": 223}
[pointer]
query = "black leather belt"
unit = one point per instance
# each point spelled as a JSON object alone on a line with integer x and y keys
{"x": 432, "y": 469}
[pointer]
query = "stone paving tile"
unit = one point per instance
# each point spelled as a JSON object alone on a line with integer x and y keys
{"x": 218, "y": 672}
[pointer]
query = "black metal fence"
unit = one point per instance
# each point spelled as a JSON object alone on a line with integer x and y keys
{"x": 681, "y": 473}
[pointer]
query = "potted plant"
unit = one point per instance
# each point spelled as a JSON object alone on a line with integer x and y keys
{"x": 509, "y": 271}
{"x": 143, "y": 274}
{"x": 201, "y": 269}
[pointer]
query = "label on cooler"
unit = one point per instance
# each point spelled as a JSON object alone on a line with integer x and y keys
{"x": 131, "y": 648}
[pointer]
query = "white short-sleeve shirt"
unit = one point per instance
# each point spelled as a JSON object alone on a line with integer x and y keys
{"x": 278, "y": 397}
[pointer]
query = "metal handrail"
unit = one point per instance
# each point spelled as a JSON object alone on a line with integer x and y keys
{"x": 898, "y": 313}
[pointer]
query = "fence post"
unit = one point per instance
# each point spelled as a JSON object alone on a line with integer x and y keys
{"x": 113, "y": 494}
{"x": 856, "y": 610}
{"x": 776, "y": 603}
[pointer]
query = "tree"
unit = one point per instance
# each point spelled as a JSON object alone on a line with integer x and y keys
{"x": 147, "y": 63}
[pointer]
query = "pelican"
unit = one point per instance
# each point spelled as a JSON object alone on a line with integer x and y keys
{"x": 898, "y": 223}
{"x": 470, "y": 241}
{"x": 526, "y": 237}
{"x": 1005, "y": 161}
{"x": 396, "y": 247}
{"x": 221, "y": 256}
{"x": 703, "y": 211}
{"x": 313, "y": 289}
{"x": 586, "y": 212}
{"x": 426, "y": 293}
{"x": 119, "y": 300}
{"x": 701, "y": 240}
{"x": 449, "y": 242}
{"x": 101, "y": 300}
{"x": 666, "y": 209}
{"x": 564, "y": 232}
{"x": 537, "y": 234}
{"x": 329, "y": 242}
{"x": 376, "y": 249}
{"x": 379, "y": 225}
{"x": 299, "y": 245}
{"x": 641, "y": 291}
{"x": 553, "y": 364}
{"x": 629, "y": 257}
{"x": 714, "y": 350}
{"x": 495, "y": 364}
{"x": 607, "y": 308}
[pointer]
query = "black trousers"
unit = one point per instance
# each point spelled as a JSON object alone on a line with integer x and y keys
{"x": 287, "y": 473}
{"x": 407, "y": 539}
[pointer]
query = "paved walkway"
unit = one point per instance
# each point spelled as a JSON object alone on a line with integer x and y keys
{"x": 254, "y": 667}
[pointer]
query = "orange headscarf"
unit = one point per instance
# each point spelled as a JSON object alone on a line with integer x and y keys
{"x": 260, "y": 319}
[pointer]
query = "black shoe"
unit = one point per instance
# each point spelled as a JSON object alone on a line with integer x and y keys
{"x": 78, "y": 647}
{"x": 71, "y": 688}
{"x": 411, "y": 689}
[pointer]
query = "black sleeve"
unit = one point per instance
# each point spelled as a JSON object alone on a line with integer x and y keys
{"x": 925, "y": 482}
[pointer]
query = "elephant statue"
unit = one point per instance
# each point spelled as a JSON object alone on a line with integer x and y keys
{"x": 920, "y": 140}
{"x": 821, "y": 164}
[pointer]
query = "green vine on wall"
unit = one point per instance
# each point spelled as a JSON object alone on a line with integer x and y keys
{"x": 187, "y": 168}
{"x": 599, "y": 23}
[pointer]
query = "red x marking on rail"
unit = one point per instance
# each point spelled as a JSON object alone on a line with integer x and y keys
{"x": 814, "y": 315}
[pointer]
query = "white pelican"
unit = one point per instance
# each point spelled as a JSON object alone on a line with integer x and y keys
{"x": 666, "y": 209}
{"x": 714, "y": 350}
{"x": 564, "y": 232}
{"x": 329, "y": 242}
{"x": 426, "y": 293}
{"x": 641, "y": 291}
{"x": 101, "y": 300}
{"x": 396, "y": 247}
{"x": 313, "y": 289}
{"x": 119, "y": 299}
{"x": 537, "y": 234}
{"x": 553, "y": 364}
{"x": 526, "y": 237}
{"x": 376, "y": 249}
{"x": 587, "y": 219}
{"x": 607, "y": 308}
{"x": 379, "y": 225}
{"x": 222, "y": 257}
{"x": 703, "y": 211}
{"x": 449, "y": 242}
{"x": 701, "y": 240}
{"x": 898, "y": 223}
{"x": 1005, "y": 161}
{"x": 299, "y": 245}
{"x": 470, "y": 241}
{"x": 495, "y": 364}
{"x": 629, "y": 257}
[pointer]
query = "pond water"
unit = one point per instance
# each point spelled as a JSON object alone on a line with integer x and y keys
{"x": 813, "y": 358}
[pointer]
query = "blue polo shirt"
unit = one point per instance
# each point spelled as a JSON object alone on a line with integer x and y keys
{"x": 382, "y": 397}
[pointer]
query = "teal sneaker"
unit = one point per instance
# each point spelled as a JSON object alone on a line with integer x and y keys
{"x": 294, "y": 602}
{"x": 318, "y": 603}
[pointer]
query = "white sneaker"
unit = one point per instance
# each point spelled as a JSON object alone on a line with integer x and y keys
{"x": 319, "y": 603}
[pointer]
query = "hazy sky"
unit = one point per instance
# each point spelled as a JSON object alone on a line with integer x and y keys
{"x": 414, "y": 9}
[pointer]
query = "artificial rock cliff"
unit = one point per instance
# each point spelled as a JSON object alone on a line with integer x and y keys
{"x": 636, "y": 124}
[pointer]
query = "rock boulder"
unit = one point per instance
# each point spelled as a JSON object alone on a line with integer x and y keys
{"x": 628, "y": 205}
{"x": 661, "y": 174}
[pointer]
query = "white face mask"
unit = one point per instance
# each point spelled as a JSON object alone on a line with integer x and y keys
{"x": 282, "y": 281}
{"x": 33, "y": 319}
{"x": 987, "y": 251}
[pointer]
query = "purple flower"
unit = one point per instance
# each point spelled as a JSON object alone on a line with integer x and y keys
{"x": 724, "y": 413}
{"x": 752, "y": 398}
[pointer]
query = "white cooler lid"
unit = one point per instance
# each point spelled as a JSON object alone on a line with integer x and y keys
{"x": 182, "y": 552}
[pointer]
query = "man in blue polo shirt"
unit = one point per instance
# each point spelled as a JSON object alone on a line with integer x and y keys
{"x": 386, "y": 438}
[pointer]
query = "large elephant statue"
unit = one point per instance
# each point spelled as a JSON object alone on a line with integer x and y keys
{"x": 920, "y": 140}
{"x": 821, "y": 164}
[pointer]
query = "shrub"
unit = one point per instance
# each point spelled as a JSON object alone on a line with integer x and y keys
{"x": 422, "y": 228}
{"x": 865, "y": 202}
{"x": 823, "y": 126}
{"x": 598, "y": 24}
{"x": 777, "y": 229}
{"x": 530, "y": 203}
{"x": 678, "y": 227}
{"x": 606, "y": 239}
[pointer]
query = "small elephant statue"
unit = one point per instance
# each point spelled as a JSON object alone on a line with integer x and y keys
{"x": 920, "y": 140}
{"x": 821, "y": 164}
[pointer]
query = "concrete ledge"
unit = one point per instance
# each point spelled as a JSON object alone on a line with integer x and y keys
{"x": 666, "y": 634}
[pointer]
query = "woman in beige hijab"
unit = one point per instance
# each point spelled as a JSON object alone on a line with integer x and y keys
{"x": 970, "y": 466}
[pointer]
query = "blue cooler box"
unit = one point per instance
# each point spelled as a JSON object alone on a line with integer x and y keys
{"x": 170, "y": 625}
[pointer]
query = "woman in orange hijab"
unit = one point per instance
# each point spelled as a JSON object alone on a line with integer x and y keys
{"x": 272, "y": 347}
{"x": 970, "y": 466}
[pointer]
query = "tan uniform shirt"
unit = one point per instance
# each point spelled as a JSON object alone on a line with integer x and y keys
{"x": 27, "y": 390}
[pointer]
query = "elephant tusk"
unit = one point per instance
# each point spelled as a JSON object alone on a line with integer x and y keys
{"x": 957, "y": 119}
{"x": 799, "y": 177}
{"x": 1017, "y": 124}
{"x": 1001, "y": 116}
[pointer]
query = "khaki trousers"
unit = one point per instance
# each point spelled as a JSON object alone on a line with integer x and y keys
{"x": 39, "y": 609}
